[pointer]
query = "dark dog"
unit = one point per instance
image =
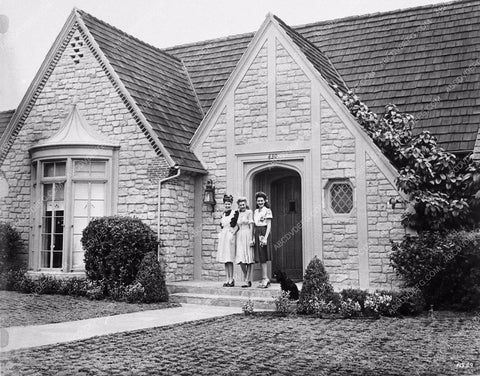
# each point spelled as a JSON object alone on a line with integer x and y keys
{"x": 286, "y": 284}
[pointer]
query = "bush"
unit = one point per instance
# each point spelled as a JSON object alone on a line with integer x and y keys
{"x": 316, "y": 288}
{"x": 114, "y": 248}
{"x": 355, "y": 295}
{"x": 380, "y": 303}
{"x": 349, "y": 308}
{"x": 445, "y": 267}
{"x": 134, "y": 293}
{"x": 409, "y": 302}
{"x": 152, "y": 279}
{"x": 10, "y": 246}
{"x": 282, "y": 303}
{"x": 247, "y": 307}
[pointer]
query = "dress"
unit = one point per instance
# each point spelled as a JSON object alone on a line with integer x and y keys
{"x": 260, "y": 222}
{"x": 226, "y": 238}
{"x": 244, "y": 238}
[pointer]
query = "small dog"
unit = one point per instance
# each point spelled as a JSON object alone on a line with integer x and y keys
{"x": 286, "y": 284}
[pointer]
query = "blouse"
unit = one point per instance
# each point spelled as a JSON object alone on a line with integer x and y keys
{"x": 261, "y": 215}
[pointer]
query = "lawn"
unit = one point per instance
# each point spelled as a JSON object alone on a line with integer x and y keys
{"x": 446, "y": 344}
{"x": 17, "y": 309}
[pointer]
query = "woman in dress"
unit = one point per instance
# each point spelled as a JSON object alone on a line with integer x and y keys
{"x": 244, "y": 241}
{"x": 262, "y": 218}
{"x": 226, "y": 239}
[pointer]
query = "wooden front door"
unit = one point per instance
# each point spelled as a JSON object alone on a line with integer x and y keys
{"x": 286, "y": 203}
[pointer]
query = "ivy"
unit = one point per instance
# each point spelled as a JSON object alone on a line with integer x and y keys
{"x": 444, "y": 190}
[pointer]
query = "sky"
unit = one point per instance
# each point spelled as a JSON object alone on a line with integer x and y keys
{"x": 28, "y": 28}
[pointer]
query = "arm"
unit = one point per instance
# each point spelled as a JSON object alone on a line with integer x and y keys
{"x": 269, "y": 226}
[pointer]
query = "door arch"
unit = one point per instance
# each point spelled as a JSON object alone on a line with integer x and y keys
{"x": 284, "y": 190}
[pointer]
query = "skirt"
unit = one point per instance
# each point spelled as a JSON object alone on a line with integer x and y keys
{"x": 261, "y": 252}
{"x": 226, "y": 246}
{"x": 244, "y": 249}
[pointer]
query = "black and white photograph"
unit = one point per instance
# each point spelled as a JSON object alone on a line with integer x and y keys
{"x": 206, "y": 187}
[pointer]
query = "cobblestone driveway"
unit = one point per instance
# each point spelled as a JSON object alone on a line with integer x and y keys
{"x": 266, "y": 345}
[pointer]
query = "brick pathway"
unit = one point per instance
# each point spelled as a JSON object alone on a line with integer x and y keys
{"x": 266, "y": 345}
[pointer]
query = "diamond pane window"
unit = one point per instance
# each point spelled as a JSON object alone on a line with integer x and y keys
{"x": 341, "y": 198}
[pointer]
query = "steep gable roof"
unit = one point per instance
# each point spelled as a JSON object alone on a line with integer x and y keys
{"x": 422, "y": 59}
{"x": 159, "y": 84}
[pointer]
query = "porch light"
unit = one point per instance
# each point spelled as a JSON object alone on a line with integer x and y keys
{"x": 209, "y": 195}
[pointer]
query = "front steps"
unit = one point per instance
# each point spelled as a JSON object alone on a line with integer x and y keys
{"x": 212, "y": 293}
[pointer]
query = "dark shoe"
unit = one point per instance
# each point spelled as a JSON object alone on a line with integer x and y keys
{"x": 226, "y": 284}
{"x": 232, "y": 284}
{"x": 248, "y": 284}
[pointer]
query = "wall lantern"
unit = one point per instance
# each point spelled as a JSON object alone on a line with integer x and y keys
{"x": 209, "y": 195}
{"x": 394, "y": 201}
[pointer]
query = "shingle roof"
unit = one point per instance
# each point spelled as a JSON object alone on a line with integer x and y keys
{"x": 5, "y": 117}
{"x": 423, "y": 59}
{"x": 159, "y": 84}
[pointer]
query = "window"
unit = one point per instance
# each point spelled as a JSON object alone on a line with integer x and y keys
{"x": 341, "y": 197}
{"x": 72, "y": 191}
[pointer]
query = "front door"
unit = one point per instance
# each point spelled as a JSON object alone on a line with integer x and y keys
{"x": 287, "y": 226}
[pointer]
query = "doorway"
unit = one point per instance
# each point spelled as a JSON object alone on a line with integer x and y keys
{"x": 283, "y": 188}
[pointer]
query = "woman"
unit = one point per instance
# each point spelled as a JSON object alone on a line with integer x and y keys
{"x": 244, "y": 241}
{"x": 226, "y": 239}
{"x": 262, "y": 218}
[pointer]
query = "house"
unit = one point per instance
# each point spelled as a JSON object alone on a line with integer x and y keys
{"x": 112, "y": 125}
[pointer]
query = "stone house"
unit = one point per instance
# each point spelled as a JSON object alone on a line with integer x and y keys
{"x": 112, "y": 125}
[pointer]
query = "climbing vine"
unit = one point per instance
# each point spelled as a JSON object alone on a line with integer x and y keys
{"x": 443, "y": 189}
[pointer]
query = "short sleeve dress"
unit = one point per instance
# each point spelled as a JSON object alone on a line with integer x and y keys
{"x": 244, "y": 238}
{"x": 226, "y": 238}
{"x": 260, "y": 217}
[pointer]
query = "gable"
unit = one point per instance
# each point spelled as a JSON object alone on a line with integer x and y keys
{"x": 408, "y": 57}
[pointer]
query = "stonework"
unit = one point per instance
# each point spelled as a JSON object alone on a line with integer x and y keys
{"x": 214, "y": 158}
{"x": 84, "y": 83}
{"x": 340, "y": 243}
{"x": 293, "y": 99}
{"x": 384, "y": 224}
{"x": 177, "y": 227}
{"x": 476, "y": 149}
{"x": 251, "y": 102}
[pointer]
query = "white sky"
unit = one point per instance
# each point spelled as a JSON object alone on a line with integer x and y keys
{"x": 33, "y": 25}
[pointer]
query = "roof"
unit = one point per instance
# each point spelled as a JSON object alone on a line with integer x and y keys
{"x": 424, "y": 59}
{"x": 159, "y": 85}
{"x": 5, "y": 117}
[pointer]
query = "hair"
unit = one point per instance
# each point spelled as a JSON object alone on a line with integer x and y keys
{"x": 227, "y": 198}
{"x": 264, "y": 196}
{"x": 242, "y": 199}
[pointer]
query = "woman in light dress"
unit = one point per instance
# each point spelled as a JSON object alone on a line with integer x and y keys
{"x": 262, "y": 218}
{"x": 245, "y": 241}
{"x": 226, "y": 239}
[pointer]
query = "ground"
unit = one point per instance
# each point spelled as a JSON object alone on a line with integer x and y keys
{"x": 446, "y": 344}
{"x": 17, "y": 309}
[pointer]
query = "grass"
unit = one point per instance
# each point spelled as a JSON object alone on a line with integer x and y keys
{"x": 17, "y": 309}
{"x": 264, "y": 344}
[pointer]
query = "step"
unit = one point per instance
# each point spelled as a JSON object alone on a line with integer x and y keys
{"x": 218, "y": 289}
{"x": 259, "y": 303}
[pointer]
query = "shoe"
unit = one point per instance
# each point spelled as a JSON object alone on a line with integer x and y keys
{"x": 230, "y": 284}
{"x": 263, "y": 284}
{"x": 248, "y": 284}
{"x": 226, "y": 284}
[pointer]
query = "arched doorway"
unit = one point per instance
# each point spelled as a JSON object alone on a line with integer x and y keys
{"x": 283, "y": 187}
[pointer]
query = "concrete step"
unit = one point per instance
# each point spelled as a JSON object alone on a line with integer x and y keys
{"x": 259, "y": 303}
{"x": 213, "y": 293}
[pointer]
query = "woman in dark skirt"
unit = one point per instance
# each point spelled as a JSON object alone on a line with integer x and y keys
{"x": 262, "y": 218}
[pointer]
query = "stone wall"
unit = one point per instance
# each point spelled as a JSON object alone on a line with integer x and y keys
{"x": 214, "y": 158}
{"x": 251, "y": 102}
{"x": 384, "y": 224}
{"x": 177, "y": 226}
{"x": 293, "y": 99}
{"x": 476, "y": 148}
{"x": 340, "y": 243}
{"x": 87, "y": 85}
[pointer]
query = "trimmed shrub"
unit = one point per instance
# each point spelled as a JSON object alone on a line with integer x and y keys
{"x": 10, "y": 246}
{"x": 152, "y": 279}
{"x": 134, "y": 293}
{"x": 380, "y": 303}
{"x": 445, "y": 267}
{"x": 316, "y": 289}
{"x": 114, "y": 248}
{"x": 409, "y": 302}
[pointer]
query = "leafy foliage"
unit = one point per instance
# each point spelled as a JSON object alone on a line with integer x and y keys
{"x": 445, "y": 267}
{"x": 151, "y": 278}
{"x": 316, "y": 287}
{"x": 10, "y": 246}
{"x": 444, "y": 190}
{"x": 114, "y": 248}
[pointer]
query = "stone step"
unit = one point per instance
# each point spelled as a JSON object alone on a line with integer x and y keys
{"x": 259, "y": 303}
{"x": 217, "y": 289}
